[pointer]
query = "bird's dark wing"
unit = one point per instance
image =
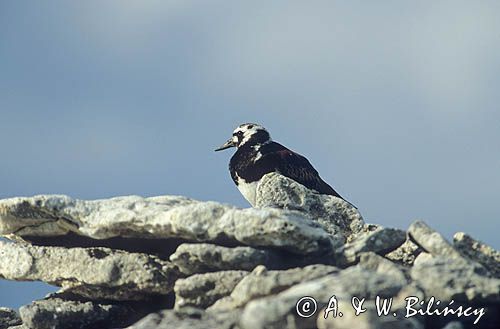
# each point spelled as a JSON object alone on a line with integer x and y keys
{"x": 296, "y": 167}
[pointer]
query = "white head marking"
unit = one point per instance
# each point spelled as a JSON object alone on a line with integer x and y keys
{"x": 250, "y": 131}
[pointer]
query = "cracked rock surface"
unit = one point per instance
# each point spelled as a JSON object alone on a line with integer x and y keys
{"x": 161, "y": 218}
{"x": 202, "y": 257}
{"x": 57, "y": 313}
{"x": 190, "y": 318}
{"x": 96, "y": 272}
{"x": 338, "y": 217}
{"x": 261, "y": 283}
{"x": 174, "y": 262}
{"x": 202, "y": 290}
{"x": 381, "y": 241}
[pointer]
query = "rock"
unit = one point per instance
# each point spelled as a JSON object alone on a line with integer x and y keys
{"x": 202, "y": 290}
{"x": 279, "y": 311}
{"x": 194, "y": 258}
{"x": 91, "y": 272}
{"x": 448, "y": 278}
{"x": 57, "y": 313}
{"x": 262, "y": 283}
{"x": 195, "y": 319}
{"x": 405, "y": 254}
{"x": 8, "y": 318}
{"x": 161, "y": 217}
{"x": 454, "y": 325}
{"x": 479, "y": 252}
{"x": 378, "y": 264}
{"x": 110, "y": 258}
{"x": 367, "y": 320}
{"x": 380, "y": 241}
{"x": 431, "y": 241}
{"x": 338, "y": 217}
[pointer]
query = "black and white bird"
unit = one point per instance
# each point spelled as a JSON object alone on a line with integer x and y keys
{"x": 258, "y": 154}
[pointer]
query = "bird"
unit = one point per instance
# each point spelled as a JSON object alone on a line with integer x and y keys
{"x": 257, "y": 155}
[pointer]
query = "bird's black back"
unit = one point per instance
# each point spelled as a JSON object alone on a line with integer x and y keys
{"x": 274, "y": 157}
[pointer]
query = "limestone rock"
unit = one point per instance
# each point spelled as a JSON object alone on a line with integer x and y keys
{"x": 278, "y": 311}
{"x": 202, "y": 290}
{"x": 262, "y": 283}
{"x": 188, "y": 319}
{"x": 379, "y": 264}
{"x": 57, "y": 313}
{"x": 194, "y": 258}
{"x": 479, "y": 252}
{"x": 380, "y": 241}
{"x": 110, "y": 258}
{"x": 8, "y": 318}
{"x": 446, "y": 274}
{"x": 91, "y": 272}
{"x": 162, "y": 217}
{"x": 405, "y": 254}
{"x": 461, "y": 280}
{"x": 431, "y": 241}
{"x": 338, "y": 217}
{"x": 367, "y": 320}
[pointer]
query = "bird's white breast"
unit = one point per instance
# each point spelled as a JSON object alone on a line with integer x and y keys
{"x": 249, "y": 190}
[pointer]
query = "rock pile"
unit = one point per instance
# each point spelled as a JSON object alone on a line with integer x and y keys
{"x": 170, "y": 261}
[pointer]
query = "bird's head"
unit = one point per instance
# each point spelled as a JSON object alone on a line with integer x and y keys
{"x": 247, "y": 134}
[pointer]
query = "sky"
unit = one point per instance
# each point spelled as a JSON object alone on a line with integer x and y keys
{"x": 396, "y": 104}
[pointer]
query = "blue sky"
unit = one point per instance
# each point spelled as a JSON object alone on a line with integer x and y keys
{"x": 396, "y": 104}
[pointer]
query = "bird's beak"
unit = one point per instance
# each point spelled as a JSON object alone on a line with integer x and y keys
{"x": 226, "y": 145}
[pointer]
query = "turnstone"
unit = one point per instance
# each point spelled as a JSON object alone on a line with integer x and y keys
{"x": 258, "y": 154}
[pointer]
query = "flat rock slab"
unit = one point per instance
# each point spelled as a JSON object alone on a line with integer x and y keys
{"x": 55, "y": 313}
{"x": 202, "y": 290}
{"x": 338, "y": 217}
{"x": 261, "y": 283}
{"x": 160, "y": 218}
{"x": 91, "y": 272}
{"x": 188, "y": 319}
{"x": 194, "y": 258}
